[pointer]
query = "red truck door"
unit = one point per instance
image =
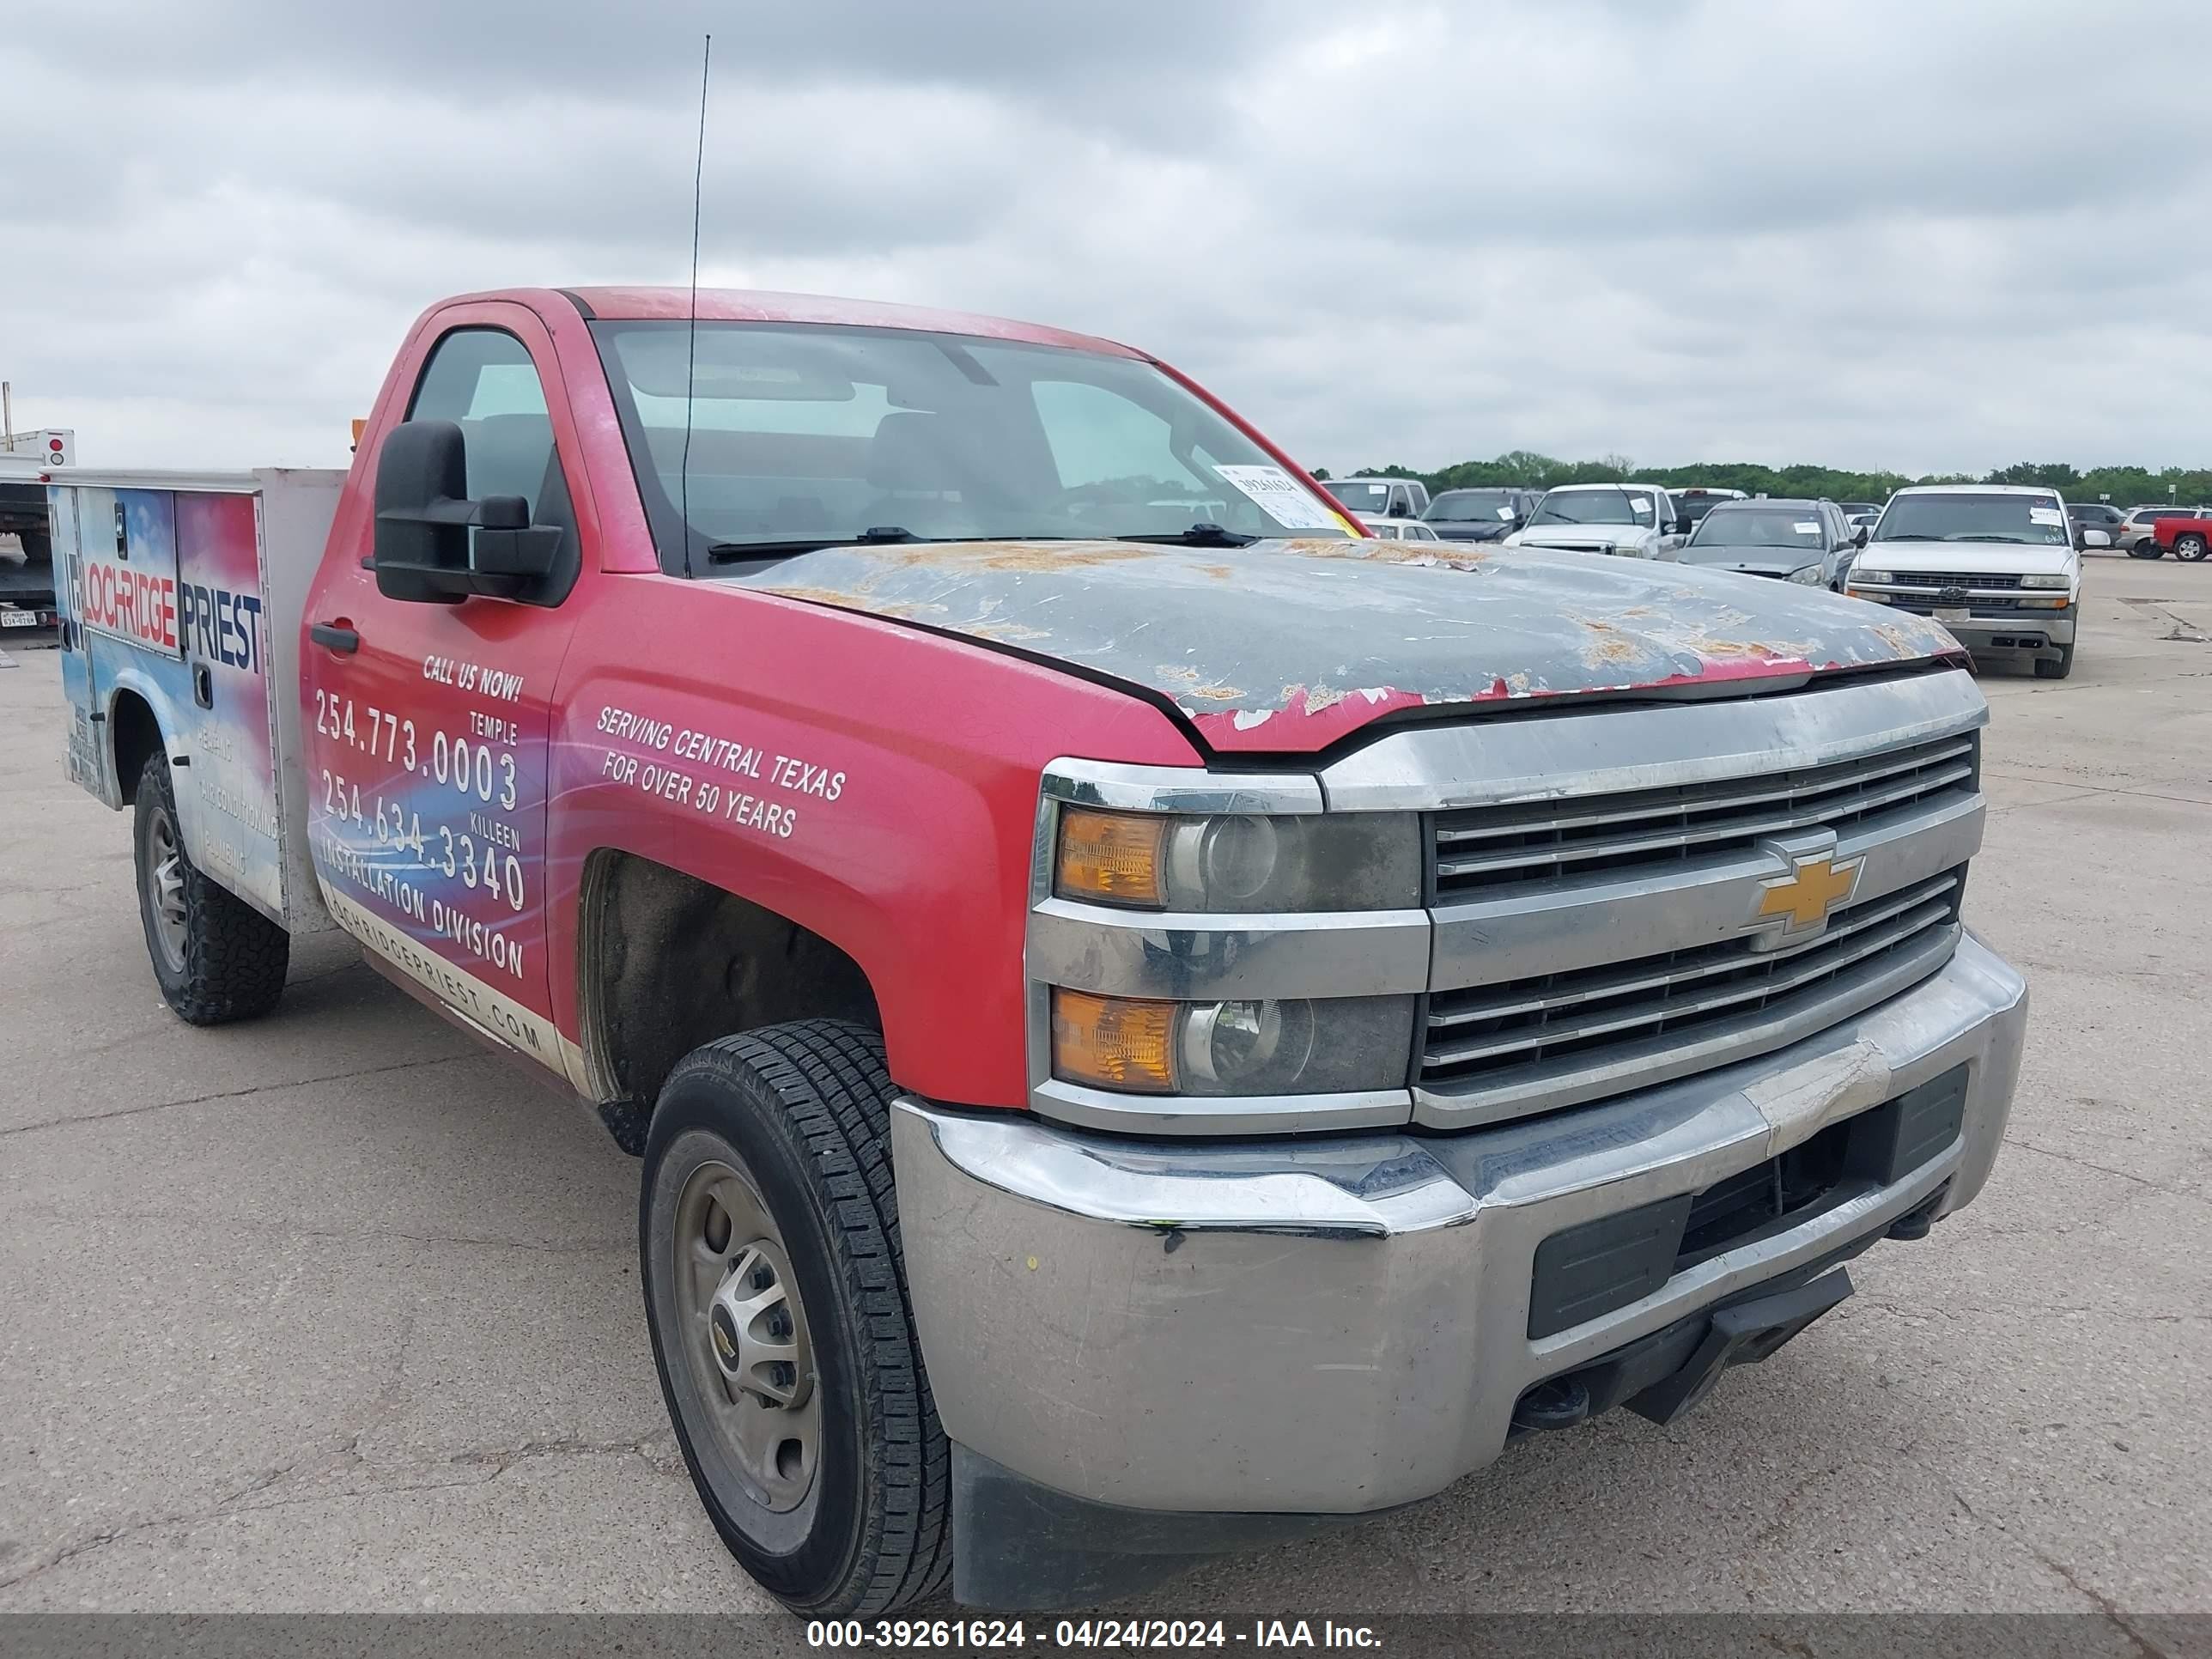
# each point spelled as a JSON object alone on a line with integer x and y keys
{"x": 428, "y": 720}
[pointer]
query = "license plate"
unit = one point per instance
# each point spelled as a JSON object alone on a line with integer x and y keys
{"x": 18, "y": 619}
{"x": 1954, "y": 613}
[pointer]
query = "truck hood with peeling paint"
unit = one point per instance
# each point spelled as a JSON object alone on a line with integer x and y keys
{"x": 1287, "y": 646}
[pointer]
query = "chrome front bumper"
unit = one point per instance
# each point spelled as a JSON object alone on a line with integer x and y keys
{"x": 1339, "y": 1324}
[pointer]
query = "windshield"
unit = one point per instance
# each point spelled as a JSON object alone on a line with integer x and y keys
{"x": 1488, "y": 505}
{"x": 1359, "y": 497}
{"x": 1610, "y": 505}
{"x": 814, "y": 435}
{"x": 1946, "y": 516}
{"x": 1730, "y": 527}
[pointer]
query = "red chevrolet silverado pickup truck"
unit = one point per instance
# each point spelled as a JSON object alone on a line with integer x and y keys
{"x": 2185, "y": 535}
{"x": 1153, "y": 1021}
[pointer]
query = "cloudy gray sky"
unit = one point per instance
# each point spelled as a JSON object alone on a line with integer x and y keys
{"x": 1866, "y": 233}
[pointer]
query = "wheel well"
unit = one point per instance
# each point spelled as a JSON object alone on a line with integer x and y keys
{"x": 666, "y": 962}
{"x": 137, "y": 735}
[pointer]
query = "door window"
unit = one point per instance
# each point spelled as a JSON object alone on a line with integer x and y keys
{"x": 483, "y": 378}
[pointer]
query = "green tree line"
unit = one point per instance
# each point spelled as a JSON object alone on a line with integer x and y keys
{"x": 2128, "y": 486}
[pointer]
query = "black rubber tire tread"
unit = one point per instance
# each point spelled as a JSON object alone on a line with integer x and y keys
{"x": 38, "y": 546}
{"x": 2047, "y": 670}
{"x": 235, "y": 959}
{"x": 2146, "y": 550}
{"x": 836, "y": 1092}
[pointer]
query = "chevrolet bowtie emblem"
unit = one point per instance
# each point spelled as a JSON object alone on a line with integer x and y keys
{"x": 1813, "y": 887}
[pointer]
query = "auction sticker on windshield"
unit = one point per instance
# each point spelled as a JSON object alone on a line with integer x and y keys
{"x": 2048, "y": 515}
{"x": 1281, "y": 497}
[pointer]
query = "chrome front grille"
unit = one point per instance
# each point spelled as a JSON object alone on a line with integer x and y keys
{"x": 1983, "y": 580}
{"x": 1558, "y": 1034}
{"x": 1481, "y": 851}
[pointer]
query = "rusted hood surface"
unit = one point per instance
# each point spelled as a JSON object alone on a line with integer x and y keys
{"x": 1286, "y": 646}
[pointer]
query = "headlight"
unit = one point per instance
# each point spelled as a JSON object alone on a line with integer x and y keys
{"x": 1811, "y": 576}
{"x": 1881, "y": 577}
{"x": 1252, "y": 1046}
{"x": 2060, "y": 580}
{"x": 1240, "y": 863}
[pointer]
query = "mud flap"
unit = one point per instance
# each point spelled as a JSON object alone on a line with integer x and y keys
{"x": 1743, "y": 1333}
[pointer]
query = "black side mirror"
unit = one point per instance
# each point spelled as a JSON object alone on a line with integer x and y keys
{"x": 435, "y": 546}
{"x": 1683, "y": 525}
{"x": 1860, "y": 539}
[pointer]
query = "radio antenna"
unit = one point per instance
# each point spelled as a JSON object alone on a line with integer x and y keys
{"x": 691, "y": 324}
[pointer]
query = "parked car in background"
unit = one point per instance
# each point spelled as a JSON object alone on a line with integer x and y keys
{"x": 1694, "y": 503}
{"x": 1996, "y": 564}
{"x": 2138, "y": 536}
{"x": 1636, "y": 522}
{"x": 1400, "y": 530}
{"x": 2096, "y": 515}
{"x": 1381, "y": 498}
{"x": 1480, "y": 515}
{"x": 1807, "y": 542}
{"x": 1859, "y": 509}
{"x": 2189, "y": 534}
{"x": 1865, "y": 521}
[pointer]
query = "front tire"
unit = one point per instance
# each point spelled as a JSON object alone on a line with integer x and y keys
{"x": 38, "y": 546}
{"x": 775, "y": 1290}
{"x": 2047, "y": 670}
{"x": 2146, "y": 548}
{"x": 215, "y": 957}
{"x": 2189, "y": 547}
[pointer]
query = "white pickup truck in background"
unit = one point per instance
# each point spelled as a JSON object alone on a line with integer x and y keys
{"x": 26, "y": 567}
{"x": 1999, "y": 565}
{"x": 1636, "y": 521}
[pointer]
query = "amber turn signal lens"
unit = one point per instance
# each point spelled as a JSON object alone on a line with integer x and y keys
{"x": 1116, "y": 856}
{"x": 1113, "y": 1043}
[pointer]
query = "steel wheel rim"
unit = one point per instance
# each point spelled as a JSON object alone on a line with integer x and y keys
{"x": 165, "y": 887}
{"x": 745, "y": 1336}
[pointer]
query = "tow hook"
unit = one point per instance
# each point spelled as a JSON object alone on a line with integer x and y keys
{"x": 1917, "y": 1222}
{"x": 1558, "y": 1404}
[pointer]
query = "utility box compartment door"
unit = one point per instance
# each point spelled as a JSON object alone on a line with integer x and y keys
{"x": 127, "y": 539}
{"x": 222, "y": 624}
{"x": 85, "y": 749}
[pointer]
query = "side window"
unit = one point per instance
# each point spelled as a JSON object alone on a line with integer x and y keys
{"x": 484, "y": 379}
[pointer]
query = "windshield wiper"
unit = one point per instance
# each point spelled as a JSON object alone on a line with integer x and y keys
{"x": 874, "y": 536}
{"x": 1986, "y": 536}
{"x": 1201, "y": 534}
{"x": 1911, "y": 536}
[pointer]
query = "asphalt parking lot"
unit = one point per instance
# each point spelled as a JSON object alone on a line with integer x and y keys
{"x": 333, "y": 1312}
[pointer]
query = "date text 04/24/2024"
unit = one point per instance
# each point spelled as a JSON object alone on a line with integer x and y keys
{"x": 892, "y": 1635}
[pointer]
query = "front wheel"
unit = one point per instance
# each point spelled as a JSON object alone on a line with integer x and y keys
{"x": 775, "y": 1292}
{"x": 2047, "y": 670}
{"x": 2189, "y": 547}
{"x": 215, "y": 957}
{"x": 2146, "y": 548}
{"x": 38, "y": 546}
